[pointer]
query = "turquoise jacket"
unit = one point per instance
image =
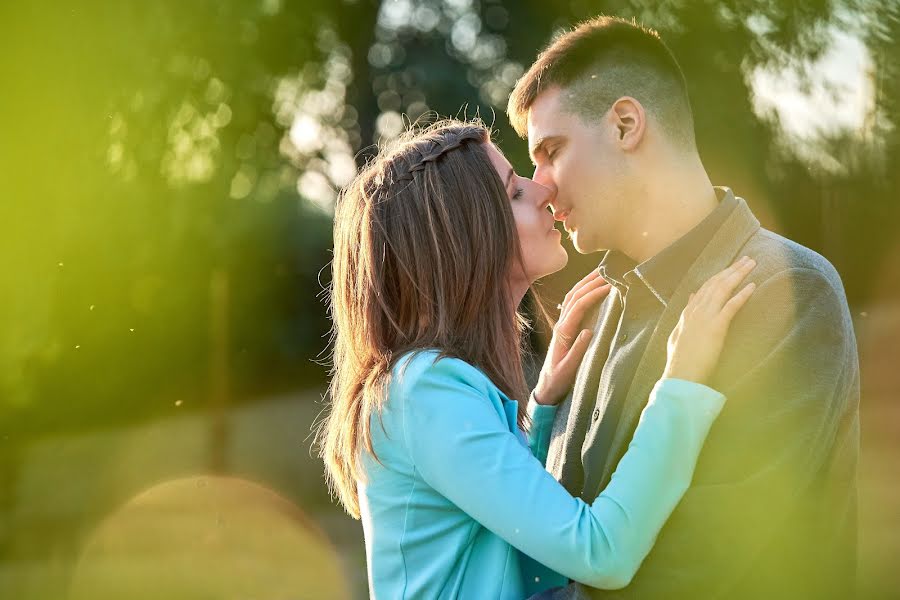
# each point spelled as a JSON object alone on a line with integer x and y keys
{"x": 458, "y": 504}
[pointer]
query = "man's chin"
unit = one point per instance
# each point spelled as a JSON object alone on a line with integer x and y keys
{"x": 584, "y": 245}
{"x": 578, "y": 243}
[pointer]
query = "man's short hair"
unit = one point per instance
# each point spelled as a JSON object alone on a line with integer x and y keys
{"x": 600, "y": 61}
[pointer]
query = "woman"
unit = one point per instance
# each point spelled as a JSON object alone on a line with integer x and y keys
{"x": 436, "y": 243}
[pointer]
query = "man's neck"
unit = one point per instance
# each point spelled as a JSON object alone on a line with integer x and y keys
{"x": 671, "y": 208}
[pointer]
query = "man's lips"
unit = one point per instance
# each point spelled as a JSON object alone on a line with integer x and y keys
{"x": 563, "y": 216}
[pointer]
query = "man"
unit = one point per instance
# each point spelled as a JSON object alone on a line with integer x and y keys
{"x": 771, "y": 512}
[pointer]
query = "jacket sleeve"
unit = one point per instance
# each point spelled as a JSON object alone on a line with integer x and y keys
{"x": 541, "y": 416}
{"x": 790, "y": 372}
{"x": 462, "y": 448}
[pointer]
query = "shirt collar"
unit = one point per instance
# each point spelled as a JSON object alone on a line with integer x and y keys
{"x": 661, "y": 273}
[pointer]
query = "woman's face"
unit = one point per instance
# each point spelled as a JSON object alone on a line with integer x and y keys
{"x": 540, "y": 241}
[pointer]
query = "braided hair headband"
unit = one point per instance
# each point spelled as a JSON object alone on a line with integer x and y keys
{"x": 437, "y": 150}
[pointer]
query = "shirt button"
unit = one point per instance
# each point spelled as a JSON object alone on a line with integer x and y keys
{"x": 596, "y": 413}
{"x": 623, "y": 337}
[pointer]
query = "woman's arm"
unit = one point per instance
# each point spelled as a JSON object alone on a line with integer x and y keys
{"x": 463, "y": 449}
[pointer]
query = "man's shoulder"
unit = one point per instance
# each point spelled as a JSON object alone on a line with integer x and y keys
{"x": 778, "y": 256}
{"x": 796, "y": 288}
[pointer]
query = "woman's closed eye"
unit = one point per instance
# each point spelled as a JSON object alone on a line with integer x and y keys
{"x": 518, "y": 193}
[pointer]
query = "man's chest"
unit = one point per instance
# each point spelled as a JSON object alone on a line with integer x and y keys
{"x": 626, "y": 334}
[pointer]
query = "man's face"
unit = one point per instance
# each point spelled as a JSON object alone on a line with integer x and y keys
{"x": 583, "y": 165}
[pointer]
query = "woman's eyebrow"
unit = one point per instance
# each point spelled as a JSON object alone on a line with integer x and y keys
{"x": 509, "y": 178}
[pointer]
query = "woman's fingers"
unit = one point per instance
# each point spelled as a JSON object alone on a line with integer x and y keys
{"x": 716, "y": 279}
{"x": 562, "y": 337}
{"x": 576, "y": 294}
{"x": 569, "y": 363}
{"x": 567, "y": 328}
{"x": 585, "y": 281}
{"x": 697, "y": 340}
{"x": 732, "y": 306}
{"x": 720, "y": 287}
{"x": 726, "y": 288}
{"x": 574, "y": 314}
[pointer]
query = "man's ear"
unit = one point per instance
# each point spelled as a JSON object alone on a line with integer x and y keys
{"x": 630, "y": 121}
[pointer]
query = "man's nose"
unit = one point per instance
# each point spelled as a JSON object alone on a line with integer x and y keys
{"x": 542, "y": 176}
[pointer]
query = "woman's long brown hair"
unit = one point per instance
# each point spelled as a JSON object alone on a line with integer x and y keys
{"x": 424, "y": 242}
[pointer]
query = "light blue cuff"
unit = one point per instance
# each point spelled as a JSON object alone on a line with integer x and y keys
{"x": 541, "y": 416}
{"x": 540, "y": 413}
{"x": 684, "y": 391}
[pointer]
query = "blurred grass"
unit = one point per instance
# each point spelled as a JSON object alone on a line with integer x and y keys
{"x": 69, "y": 484}
{"x": 208, "y": 537}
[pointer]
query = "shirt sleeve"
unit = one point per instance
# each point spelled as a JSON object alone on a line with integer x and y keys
{"x": 462, "y": 448}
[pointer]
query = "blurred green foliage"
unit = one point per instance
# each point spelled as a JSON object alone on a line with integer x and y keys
{"x": 150, "y": 145}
